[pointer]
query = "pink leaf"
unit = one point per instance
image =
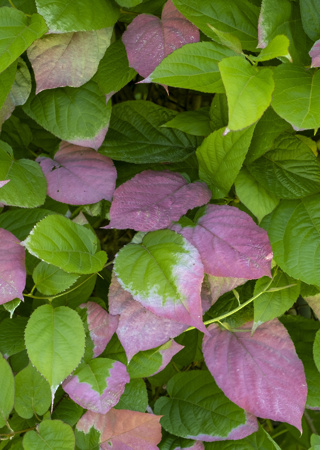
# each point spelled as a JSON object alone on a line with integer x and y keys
{"x": 3, "y": 183}
{"x": 12, "y": 267}
{"x": 139, "y": 329}
{"x": 214, "y": 287}
{"x": 230, "y": 243}
{"x": 315, "y": 54}
{"x": 67, "y": 59}
{"x": 98, "y": 385}
{"x": 260, "y": 373}
{"x": 79, "y": 175}
{"x": 152, "y": 200}
{"x": 123, "y": 429}
{"x": 148, "y": 39}
{"x": 101, "y": 326}
{"x": 167, "y": 354}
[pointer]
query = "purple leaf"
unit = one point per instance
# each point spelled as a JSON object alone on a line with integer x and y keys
{"x": 123, "y": 430}
{"x": 260, "y": 373}
{"x": 98, "y": 385}
{"x": 214, "y": 287}
{"x": 101, "y": 326}
{"x": 67, "y": 59}
{"x": 4, "y": 182}
{"x": 12, "y": 267}
{"x": 168, "y": 353}
{"x": 315, "y": 54}
{"x": 148, "y": 39}
{"x": 152, "y": 200}
{"x": 79, "y": 175}
{"x": 230, "y": 243}
{"x": 139, "y": 329}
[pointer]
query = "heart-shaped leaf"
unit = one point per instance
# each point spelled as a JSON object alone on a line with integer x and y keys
{"x": 148, "y": 39}
{"x": 79, "y": 175}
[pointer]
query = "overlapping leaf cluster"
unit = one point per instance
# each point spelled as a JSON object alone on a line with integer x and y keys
{"x": 159, "y": 224}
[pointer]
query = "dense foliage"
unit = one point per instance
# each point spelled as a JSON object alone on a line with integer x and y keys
{"x": 159, "y": 224}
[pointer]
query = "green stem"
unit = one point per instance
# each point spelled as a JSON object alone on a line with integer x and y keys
{"x": 12, "y": 4}
{"x": 8, "y": 435}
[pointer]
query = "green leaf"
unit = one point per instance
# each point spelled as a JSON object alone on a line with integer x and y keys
{"x": 21, "y": 221}
{"x": 32, "y": 393}
{"x": 228, "y": 39}
{"x": 253, "y": 195}
{"x": 17, "y": 32}
{"x": 12, "y": 335}
{"x": 290, "y": 170}
{"x": 296, "y": 95}
{"x": 279, "y": 46}
{"x": 196, "y": 123}
{"x": 219, "y": 112}
{"x": 68, "y": 411}
{"x": 135, "y": 397}
{"x": 7, "y": 391}
{"x": 27, "y": 186}
{"x": 302, "y": 332}
{"x": 310, "y": 18}
{"x": 193, "y": 66}
{"x": 50, "y": 280}
{"x": 65, "y": 244}
{"x": 55, "y": 340}
{"x": 83, "y": 15}
{"x": 260, "y": 440}
{"x": 78, "y": 293}
{"x": 196, "y": 396}
{"x": 220, "y": 159}
{"x": 276, "y": 301}
{"x": 144, "y": 364}
{"x": 135, "y": 135}
{"x": 238, "y": 17}
{"x": 52, "y": 434}
{"x": 12, "y": 306}
{"x": 293, "y": 232}
{"x": 70, "y": 113}
{"x": 249, "y": 91}
{"x": 114, "y": 71}
{"x": 128, "y": 3}
{"x": 6, "y": 81}
{"x": 316, "y": 350}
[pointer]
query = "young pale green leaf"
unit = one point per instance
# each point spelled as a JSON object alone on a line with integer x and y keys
{"x": 293, "y": 231}
{"x": 50, "y": 280}
{"x": 7, "y": 391}
{"x": 55, "y": 341}
{"x": 228, "y": 39}
{"x": 70, "y": 113}
{"x": 27, "y": 186}
{"x": 32, "y": 393}
{"x": 135, "y": 135}
{"x": 164, "y": 273}
{"x": 17, "y": 32}
{"x": 310, "y": 18}
{"x": 284, "y": 291}
{"x": 253, "y": 195}
{"x": 296, "y": 95}
{"x": 65, "y": 244}
{"x": 196, "y": 123}
{"x": 51, "y": 434}
{"x": 207, "y": 413}
{"x": 193, "y": 66}
{"x": 279, "y": 46}
{"x": 290, "y": 170}
{"x": 238, "y": 17}
{"x": 221, "y": 157}
{"x": 6, "y": 80}
{"x": 249, "y": 91}
{"x": 135, "y": 396}
{"x": 84, "y": 15}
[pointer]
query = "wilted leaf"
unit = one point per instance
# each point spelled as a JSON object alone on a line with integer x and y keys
{"x": 12, "y": 267}
{"x": 121, "y": 428}
{"x": 243, "y": 248}
{"x": 79, "y": 175}
{"x": 259, "y": 373}
{"x": 98, "y": 385}
{"x": 158, "y": 199}
{"x": 148, "y": 39}
{"x": 68, "y": 59}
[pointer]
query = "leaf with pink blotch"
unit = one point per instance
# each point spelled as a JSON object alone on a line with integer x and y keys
{"x": 97, "y": 385}
{"x": 230, "y": 243}
{"x": 101, "y": 326}
{"x": 260, "y": 373}
{"x": 12, "y": 267}
{"x": 122, "y": 429}
{"x": 148, "y": 39}
{"x": 152, "y": 200}
{"x": 315, "y": 54}
{"x": 139, "y": 329}
{"x": 67, "y": 59}
{"x": 79, "y": 175}
{"x": 215, "y": 287}
{"x": 4, "y": 182}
